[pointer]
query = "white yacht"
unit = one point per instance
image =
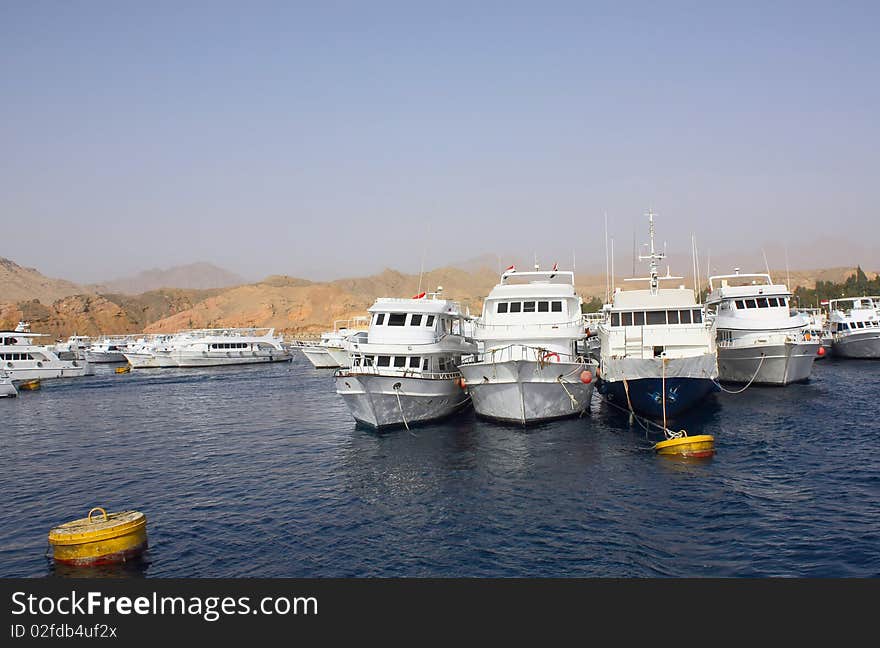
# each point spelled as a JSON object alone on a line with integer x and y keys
{"x": 855, "y": 327}
{"x": 819, "y": 329}
{"x": 7, "y": 389}
{"x": 107, "y": 349}
{"x": 21, "y": 359}
{"x": 658, "y": 353}
{"x": 74, "y": 348}
{"x": 233, "y": 346}
{"x": 150, "y": 352}
{"x": 332, "y": 351}
{"x": 759, "y": 339}
{"x": 405, "y": 372}
{"x": 532, "y": 364}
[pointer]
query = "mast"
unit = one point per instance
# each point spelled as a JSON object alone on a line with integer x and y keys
{"x": 654, "y": 256}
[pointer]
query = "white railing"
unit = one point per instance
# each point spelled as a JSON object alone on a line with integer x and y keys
{"x": 397, "y": 372}
{"x": 575, "y": 323}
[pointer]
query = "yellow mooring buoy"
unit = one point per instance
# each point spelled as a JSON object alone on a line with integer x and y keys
{"x": 112, "y": 538}
{"x": 124, "y": 369}
{"x": 698, "y": 446}
{"x": 30, "y": 385}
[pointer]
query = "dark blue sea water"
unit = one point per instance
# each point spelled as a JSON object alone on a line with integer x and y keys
{"x": 260, "y": 471}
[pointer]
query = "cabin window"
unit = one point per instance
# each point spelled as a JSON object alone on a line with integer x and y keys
{"x": 396, "y": 319}
{"x": 368, "y": 361}
{"x": 356, "y": 361}
{"x": 425, "y": 365}
{"x": 556, "y": 306}
{"x": 529, "y": 307}
{"x": 515, "y": 307}
{"x": 430, "y": 321}
{"x": 543, "y": 307}
{"x": 772, "y": 301}
{"x": 762, "y": 302}
{"x": 638, "y": 319}
{"x": 698, "y": 317}
{"x": 383, "y": 361}
{"x": 626, "y": 319}
{"x": 656, "y": 317}
{"x": 673, "y": 317}
{"x": 740, "y": 304}
{"x": 414, "y": 362}
{"x": 750, "y": 303}
{"x": 442, "y": 364}
{"x": 783, "y": 301}
{"x": 399, "y": 361}
{"x": 658, "y": 351}
{"x": 415, "y": 319}
{"x": 615, "y": 319}
{"x": 502, "y": 307}
{"x": 684, "y": 316}
{"x": 380, "y": 319}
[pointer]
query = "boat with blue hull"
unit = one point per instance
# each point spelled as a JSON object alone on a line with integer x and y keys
{"x": 658, "y": 355}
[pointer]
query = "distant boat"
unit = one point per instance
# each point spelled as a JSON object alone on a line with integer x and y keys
{"x": 855, "y": 327}
{"x": 23, "y": 360}
{"x": 107, "y": 350}
{"x": 658, "y": 353}
{"x": 7, "y": 389}
{"x": 759, "y": 339}
{"x": 332, "y": 351}
{"x": 208, "y": 348}
{"x": 533, "y": 364}
{"x": 405, "y": 372}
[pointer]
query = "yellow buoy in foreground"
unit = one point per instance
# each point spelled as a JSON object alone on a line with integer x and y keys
{"x": 30, "y": 385}
{"x": 124, "y": 369}
{"x": 700, "y": 445}
{"x": 110, "y": 538}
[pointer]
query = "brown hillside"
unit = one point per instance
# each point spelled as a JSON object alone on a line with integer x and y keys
{"x": 25, "y": 284}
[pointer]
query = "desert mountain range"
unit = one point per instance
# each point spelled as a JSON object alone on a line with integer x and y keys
{"x": 298, "y": 307}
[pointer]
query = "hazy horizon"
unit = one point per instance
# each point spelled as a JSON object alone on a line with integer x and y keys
{"x": 336, "y": 140}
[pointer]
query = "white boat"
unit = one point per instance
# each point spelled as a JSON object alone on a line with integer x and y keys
{"x": 74, "y": 348}
{"x": 405, "y": 372}
{"x": 21, "y": 359}
{"x": 855, "y": 327}
{"x": 150, "y": 352}
{"x": 7, "y": 389}
{"x": 658, "y": 353}
{"x": 533, "y": 364}
{"x": 331, "y": 351}
{"x": 232, "y": 346}
{"x": 760, "y": 341}
{"x": 107, "y": 349}
{"x": 818, "y": 328}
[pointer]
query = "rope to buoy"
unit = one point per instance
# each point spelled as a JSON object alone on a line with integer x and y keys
{"x": 574, "y": 402}
{"x": 740, "y": 391}
{"x": 669, "y": 434}
{"x": 396, "y": 389}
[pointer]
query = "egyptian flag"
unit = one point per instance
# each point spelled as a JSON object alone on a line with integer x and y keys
{"x": 511, "y": 269}
{"x": 419, "y": 296}
{"x": 555, "y": 268}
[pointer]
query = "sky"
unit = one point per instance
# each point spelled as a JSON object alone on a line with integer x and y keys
{"x": 335, "y": 139}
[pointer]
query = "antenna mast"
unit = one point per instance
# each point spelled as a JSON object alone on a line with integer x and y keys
{"x": 654, "y": 256}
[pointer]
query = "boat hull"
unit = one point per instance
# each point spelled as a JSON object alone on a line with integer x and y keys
{"x": 7, "y": 389}
{"x": 857, "y": 345}
{"x": 66, "y": 370}
{"x": 320, "y": 358}
{"x": 149, "y": 361}
{"x": 526, "y": 391}
{"x": 104, "y": 357}
{"x": 373, "y": 400}
{"x": 645, "y": 394}
{"x": 232, "y": 358}
{"x": 782, "y": 364}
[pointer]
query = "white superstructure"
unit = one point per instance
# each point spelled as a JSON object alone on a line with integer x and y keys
{"x": 107, "y": 349}
{"x": 405, "y": 372}
{"x": 532, "y": 363}
{"x": 759, "y": 339}
{"x": 150, "y": 351}
{"x": 21, "y": 359}
{"x": 855, "y": 327}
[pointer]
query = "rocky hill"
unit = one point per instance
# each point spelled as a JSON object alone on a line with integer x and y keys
{"x": 18, "y": 283}
{"x": 196, "y": 276}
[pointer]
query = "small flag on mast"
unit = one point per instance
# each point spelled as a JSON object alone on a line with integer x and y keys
{"x": 511, "y": 268}
{"x": 419, "y": 296}
{"x": 555, "y": 268}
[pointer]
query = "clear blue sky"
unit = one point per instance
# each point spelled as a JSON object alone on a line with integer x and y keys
{"x": 331, "y": 139}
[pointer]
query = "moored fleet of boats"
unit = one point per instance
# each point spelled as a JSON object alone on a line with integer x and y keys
{"x": 530, "y": 356}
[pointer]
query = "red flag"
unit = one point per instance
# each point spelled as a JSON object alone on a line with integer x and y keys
{"x": 555, "y": 268}
{"x": 419, "y": 296}
{"x": 511, "y": 269}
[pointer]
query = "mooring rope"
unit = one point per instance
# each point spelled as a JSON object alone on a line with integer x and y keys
{"x": 574, "y": 402}
{"x": 396, "y": 389}
{"x": 669, "y": 434}
{"x": 740, "y": 391}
